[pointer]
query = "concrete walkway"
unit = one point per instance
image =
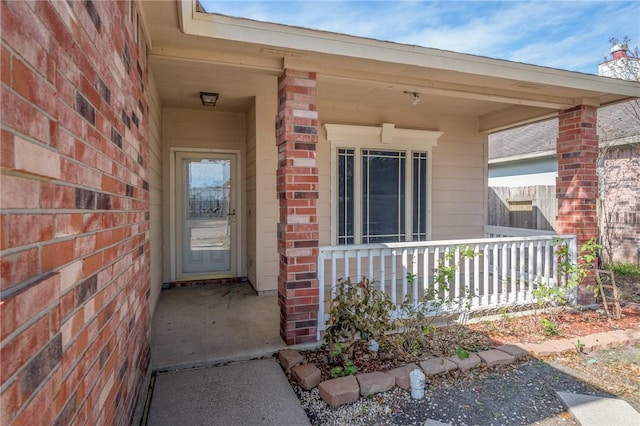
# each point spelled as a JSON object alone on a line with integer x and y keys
{"x": 250, "y": 393}
{"x": 596, "y": 411}
{"x": 213, "y": 324}
{"x": 196, "y": 329}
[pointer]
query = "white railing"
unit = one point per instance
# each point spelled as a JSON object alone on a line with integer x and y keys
{"x": 507, "y": 231}
{"x": 501, "y": 272}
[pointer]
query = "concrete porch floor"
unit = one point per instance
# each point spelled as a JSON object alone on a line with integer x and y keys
{"x": 212, "y": 324}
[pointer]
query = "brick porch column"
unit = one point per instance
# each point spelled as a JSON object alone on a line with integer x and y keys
{"x": 577, "y": 182}
{"x": 297, "y": 186}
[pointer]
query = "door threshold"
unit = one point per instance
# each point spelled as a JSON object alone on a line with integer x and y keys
{"x": 201, "y": 282}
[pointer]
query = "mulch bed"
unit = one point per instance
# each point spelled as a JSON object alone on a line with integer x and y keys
{"x": 529, "y": 329}
{"x": 444, "y": 341}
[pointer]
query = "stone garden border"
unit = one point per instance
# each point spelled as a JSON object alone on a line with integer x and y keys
{"x": 348, "y": 389}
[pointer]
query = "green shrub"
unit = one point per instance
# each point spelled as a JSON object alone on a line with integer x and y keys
{"x": 571, "y": 272}
{"x": 358, "y": 311}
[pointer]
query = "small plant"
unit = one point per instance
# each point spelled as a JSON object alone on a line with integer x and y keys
{"x": 550, "y": 327}
{"x": 336, "y": 350}
{"x": 506, "y": 314}
{"x": 415, "y": 318}
{"x": 358, "y": 311}
{"x": 462, "y": 353}
{"x": 580, "y": 346}
{"x": 349, "y": 369}
{"x": 414, "y": 324}
{"x": 570, "y": 272}
{"x": 444, "y": 276}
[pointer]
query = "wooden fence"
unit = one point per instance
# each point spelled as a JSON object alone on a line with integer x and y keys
{"x": 531, "y": 207}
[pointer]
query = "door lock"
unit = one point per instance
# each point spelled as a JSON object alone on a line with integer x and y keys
{"x": 232, "y": 216}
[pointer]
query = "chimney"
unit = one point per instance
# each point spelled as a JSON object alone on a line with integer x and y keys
{"x": 621, "y": 65}
{"x": 619, "y": 51}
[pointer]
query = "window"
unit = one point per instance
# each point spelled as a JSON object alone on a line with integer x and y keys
{"x": 419, "y": 202}
{"x": 346, "y": 201}
{"x": 381, "y": 189}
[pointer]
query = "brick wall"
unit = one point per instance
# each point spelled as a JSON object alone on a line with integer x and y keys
{"x": 621, "y": 203}
{"x": 297, "y": 187}
{"x": 75, "y": 212}
{"x": 577, "y": 181}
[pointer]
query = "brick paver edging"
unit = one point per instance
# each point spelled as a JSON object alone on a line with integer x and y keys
{"x": 345, "y": 390}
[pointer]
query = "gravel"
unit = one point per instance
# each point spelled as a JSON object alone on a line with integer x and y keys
{"x": 517, "y": 394}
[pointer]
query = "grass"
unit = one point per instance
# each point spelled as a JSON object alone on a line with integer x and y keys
{"x": 626, "y": 269}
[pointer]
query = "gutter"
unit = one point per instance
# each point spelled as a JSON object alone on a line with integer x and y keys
{"x": 521, "y": 157}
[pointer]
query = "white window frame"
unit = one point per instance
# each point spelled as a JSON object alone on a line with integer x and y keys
{"x": 384, "y": 137}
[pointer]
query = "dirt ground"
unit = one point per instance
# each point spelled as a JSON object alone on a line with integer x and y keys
{"x": 616, "y": 371}
{"x": 629, "y": 287}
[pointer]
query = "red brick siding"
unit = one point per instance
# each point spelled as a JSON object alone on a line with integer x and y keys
{"x": 577, "y": 182}
{"x": 297, "y": 188}
{"x": 74, "y": 284}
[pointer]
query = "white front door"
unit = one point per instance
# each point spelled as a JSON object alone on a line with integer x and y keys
{"x": 206, "y": 214}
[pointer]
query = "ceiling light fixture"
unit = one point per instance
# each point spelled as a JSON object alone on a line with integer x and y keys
{"x": 416, "y": 97}
{"x": 208, "y": 98}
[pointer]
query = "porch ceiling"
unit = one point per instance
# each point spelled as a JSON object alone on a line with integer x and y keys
{"x": 180, "y": 81}
{"x": 226, "y": 57}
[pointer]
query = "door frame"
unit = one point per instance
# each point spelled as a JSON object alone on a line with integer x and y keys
{"x": 174, "y": 200}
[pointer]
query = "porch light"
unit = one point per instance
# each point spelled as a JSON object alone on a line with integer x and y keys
{"x": 208, "y": 99}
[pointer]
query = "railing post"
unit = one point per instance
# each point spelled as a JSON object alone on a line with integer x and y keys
{"x": 425, "y": 271}
{"x": 522, "y": 291}
{"x": 405, "y": 270}
{"x": 512, "y": 285}
{"x": 476, "y": 275}
{"x": 321, "y": 289}
{"x": 414, "y": 273}
{"x": 485, "y": 275}
{"x": 383, "y": 275}
{"x": 573, "y": 257}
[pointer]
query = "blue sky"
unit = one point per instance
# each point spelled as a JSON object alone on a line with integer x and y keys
{"x": 209, "y": 173}
{"x": 571, "y": 35}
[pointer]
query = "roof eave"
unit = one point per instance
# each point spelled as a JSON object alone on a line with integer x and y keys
{"x": 289, "y": 37}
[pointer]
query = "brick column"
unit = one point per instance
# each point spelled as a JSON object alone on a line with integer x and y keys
{"x": 577, "y": 182}
{"x": 296, "y": 137}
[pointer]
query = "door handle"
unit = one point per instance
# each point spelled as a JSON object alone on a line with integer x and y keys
{"x": 232, "y": 216}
